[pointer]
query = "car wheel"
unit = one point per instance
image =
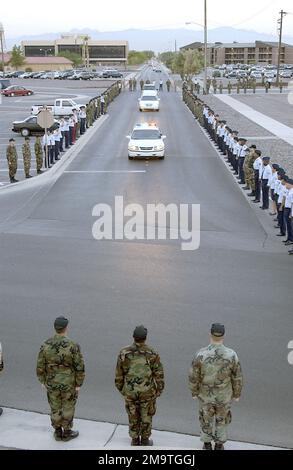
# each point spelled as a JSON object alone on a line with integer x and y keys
{"x": 140, "y": 110}
{"x": 162, "y": 158}
{"x": 130, "y": 158}
{"x": 25, "y": 132}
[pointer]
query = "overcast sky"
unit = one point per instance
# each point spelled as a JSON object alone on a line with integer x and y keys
{"x": 22, "y": 17}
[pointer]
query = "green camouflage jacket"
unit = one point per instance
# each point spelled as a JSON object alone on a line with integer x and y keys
{"x": 11, "y": 153}
{"x": 139, "y": 373}
{"x": 60, "y": 364}
{"x": 215, "y": 375}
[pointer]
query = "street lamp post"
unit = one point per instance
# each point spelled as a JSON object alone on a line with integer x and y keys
{"x": 205, "y": 47}
{"x": 2, "y": 47}
{"x": 205, "y": 26}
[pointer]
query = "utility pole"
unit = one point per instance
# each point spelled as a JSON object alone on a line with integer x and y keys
{"x": 205, "y": 47}
{"x": 2, "y": 47}
{"x": 280, "y": 29}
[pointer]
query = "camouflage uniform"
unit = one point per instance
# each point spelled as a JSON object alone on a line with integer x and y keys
{"x": 39, "y": 154}
{"x": 215, "y": 378}
{"x": 11, "y": 155}
{"x": 60, "y": 368}
{"x": 27, "y": 157}
{"x": 168, "y": 83}
{"x": 140, "y": 379}
{"x": 248, "y": 169}
{"x": 141, "y": 84}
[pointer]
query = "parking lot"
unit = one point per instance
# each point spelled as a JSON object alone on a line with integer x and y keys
{"x": 19, "y": 108}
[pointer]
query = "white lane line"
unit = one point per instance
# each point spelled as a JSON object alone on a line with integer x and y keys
{"x": 106, "y": 171}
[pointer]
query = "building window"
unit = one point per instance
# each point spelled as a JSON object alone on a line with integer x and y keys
{"x": 39, "y": 51}
{"x": 107, "y": 52}
{"x": 72, "y": 48}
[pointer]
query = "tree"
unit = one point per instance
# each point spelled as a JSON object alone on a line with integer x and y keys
{"x": 167, "y": 58}
{"x": 139, "y": 57}
{"x": 193, "y": 64}
{"x": 17, "y": 58}
{"x": 75, "y": 58}
{"x": 178, "y": 64}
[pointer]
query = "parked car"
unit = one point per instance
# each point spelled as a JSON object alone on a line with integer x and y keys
{"x": 17, "y": 73}
{"x": 16, "y": 90}
{"x": 4, "y": 83}
{"x": 286, "y": 74}
{"x": 65, "y": 75}
{"x": 111, "y": 74}
{"x": 217, "y": 74}
{"x": 26, "y": 75}
{"x": 256, "y": 75}
{"x": 29, "y": 126}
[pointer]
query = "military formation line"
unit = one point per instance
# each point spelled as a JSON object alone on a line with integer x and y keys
{"x": 268, "y": 183}
{"x": 49, "y": 148}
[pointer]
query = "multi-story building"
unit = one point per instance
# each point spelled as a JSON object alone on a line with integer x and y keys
{"x": 259, "y": 52}
{"x": 93, "y": 52}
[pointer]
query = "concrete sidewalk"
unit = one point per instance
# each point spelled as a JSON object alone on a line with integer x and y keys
{"x": 275, "y": 127}
{"x": 32, "y": 431}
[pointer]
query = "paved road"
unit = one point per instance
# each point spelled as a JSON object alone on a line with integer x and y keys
{"x": 51, "y": 265}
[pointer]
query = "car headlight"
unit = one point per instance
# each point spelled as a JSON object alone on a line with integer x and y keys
{"x": 133, "y": 148}
{"x": 159, "y": 147}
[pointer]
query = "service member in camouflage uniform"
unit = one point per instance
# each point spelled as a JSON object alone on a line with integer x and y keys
{"x": 39, "y": 155}
{"x": 215, "y": 379}
{"x": 168, "y": 84}
{"x": 11, "y": 155}
{"x": 60, "y": 368}
{"x": 141, "y": 84}
{"x": 27, "y": 157}
{"x": 248, "y": 167}
{"x": 140, "y": 379}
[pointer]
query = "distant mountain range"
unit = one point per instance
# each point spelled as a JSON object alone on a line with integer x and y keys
{"x": 160, "y": 40}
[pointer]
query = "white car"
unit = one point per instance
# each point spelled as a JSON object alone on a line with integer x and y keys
{"x": 149, "y": 103}
{"x": 149, "y": 86}
{"x": 146, "y": 141}
{"x": 255, "y": 75}
{"x": 269, "y": 75}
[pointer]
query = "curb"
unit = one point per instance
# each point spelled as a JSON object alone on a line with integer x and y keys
{"x": 25, "y": 430}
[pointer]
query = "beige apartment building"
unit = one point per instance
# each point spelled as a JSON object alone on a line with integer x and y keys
{"x": 245, "y": 53}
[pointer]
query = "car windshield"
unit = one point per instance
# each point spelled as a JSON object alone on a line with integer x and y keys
{"x": 146, "y": 134}
{"x": 149, "y": 98}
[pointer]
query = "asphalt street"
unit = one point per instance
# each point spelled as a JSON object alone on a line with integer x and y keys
{"x": 51, "y": 265}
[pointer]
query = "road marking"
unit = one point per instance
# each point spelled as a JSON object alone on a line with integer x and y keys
{"x": 105, "y": 171}
{"x": 264, "y": 137}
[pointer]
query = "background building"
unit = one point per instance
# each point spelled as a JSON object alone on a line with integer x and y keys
{"x": 41, "y": 64}
{"x": 251, "y": 53}
{"x": 92, "y": 52}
